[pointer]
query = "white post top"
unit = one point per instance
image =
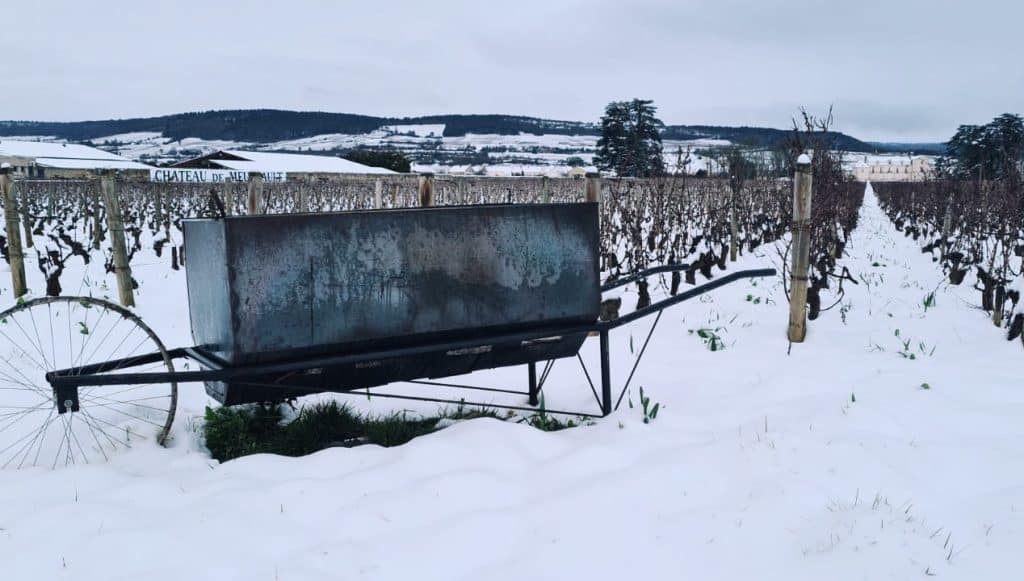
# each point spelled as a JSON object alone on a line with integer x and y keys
{"x": 804, "y": 159}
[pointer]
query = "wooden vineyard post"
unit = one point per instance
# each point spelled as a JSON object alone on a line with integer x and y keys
{"x": 164, "y": 215}
{"x": 227, "y": 197}
{"x": 115, "y": 227}
{"x": 17, "y": 257}
{"x": 801, "y": 250}
{"x": 255, "y": 201}
{"x": 426, "y": 190}
{"x": 158, "y": 206}
{"x": 22, "y": 199}
{"x": 947, "y": 224}
{"x": 592, "y": 193}
{"x": 378, "y": 193}
{"x": 303, "y": 193}
{"x": 545, "y": 190}
{"x": 733, "y": 229}
{"x": 97, "y": 231}
{"x": 592, "y": 188}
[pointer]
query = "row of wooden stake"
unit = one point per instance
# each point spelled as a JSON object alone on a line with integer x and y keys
{"x": 255, "y": 205}
{"x": 115, "y": 227}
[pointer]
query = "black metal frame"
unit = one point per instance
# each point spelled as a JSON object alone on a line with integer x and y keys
{"x": 66, "y": 382}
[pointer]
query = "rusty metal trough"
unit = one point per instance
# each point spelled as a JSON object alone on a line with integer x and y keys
{"x": 285, "y": 287}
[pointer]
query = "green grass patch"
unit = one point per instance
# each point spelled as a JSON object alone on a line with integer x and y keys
{"x": 232, "y": 432}
{"x": 550, "y": 423}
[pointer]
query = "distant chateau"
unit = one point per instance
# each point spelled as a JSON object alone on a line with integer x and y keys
{"x": 893, "y": 170}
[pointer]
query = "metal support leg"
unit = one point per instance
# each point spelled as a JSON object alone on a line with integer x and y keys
{"x": 606, "y": 376}
{"x": 533, "y": 383}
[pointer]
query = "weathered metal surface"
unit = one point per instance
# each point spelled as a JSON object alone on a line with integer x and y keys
{"x": 266, "y": 288}
{"x": 374, "y": 372}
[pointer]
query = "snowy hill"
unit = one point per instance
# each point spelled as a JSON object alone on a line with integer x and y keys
{"x": 524, "y": 153}
{"x": 503, "y": 143}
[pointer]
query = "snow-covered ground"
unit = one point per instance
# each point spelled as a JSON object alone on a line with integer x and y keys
{"x": 830, "y": 462}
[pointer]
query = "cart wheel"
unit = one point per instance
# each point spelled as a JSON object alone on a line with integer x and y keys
{"x": 53, "y": 333}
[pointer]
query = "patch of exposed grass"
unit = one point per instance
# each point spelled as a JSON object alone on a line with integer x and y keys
{"x": 550, "y": 423}
{"x": 397, "y": 429}
{"x": 464, "y": 413}
{"x": 317, "y": 427}
{"x": 546, "y": 422}
{"x": 232, "y": 432}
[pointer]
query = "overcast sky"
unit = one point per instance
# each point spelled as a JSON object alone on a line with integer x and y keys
{"x": 895, "y": 70}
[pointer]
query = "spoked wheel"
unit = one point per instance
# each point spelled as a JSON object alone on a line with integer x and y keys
{"x": 60, "y": 333}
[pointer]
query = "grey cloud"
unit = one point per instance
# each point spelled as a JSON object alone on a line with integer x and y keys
{"x": 909, "y": 69}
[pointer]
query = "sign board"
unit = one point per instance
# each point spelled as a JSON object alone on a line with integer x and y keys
{"x": 208, "y": 176}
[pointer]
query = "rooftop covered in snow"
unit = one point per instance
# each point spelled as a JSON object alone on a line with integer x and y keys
{"x": 261, "y": 161}
{"x": 65, "y": 155}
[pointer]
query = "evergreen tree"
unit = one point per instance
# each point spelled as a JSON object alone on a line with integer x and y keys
{"x": 991, "y": 151}
{"x": 392, "y": 160}
{"x": 630, "y": 143}
{"x": 612, "y": 147}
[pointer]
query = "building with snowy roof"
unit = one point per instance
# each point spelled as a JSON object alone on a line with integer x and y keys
{"x": 39, "y": 160}
{"x": 912, "y": 169}
{"x": 293, "y": 165}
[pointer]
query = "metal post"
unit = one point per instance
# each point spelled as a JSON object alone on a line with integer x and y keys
{"x": 534, "y": 392}
{"x": 378, "y": 194}
{"x": 801, "y": 250}
{"x": 606, "y": 376}
{"x": 15, "y": 254}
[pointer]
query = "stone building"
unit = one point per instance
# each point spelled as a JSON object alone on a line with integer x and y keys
{"x": 897, "y": 169}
